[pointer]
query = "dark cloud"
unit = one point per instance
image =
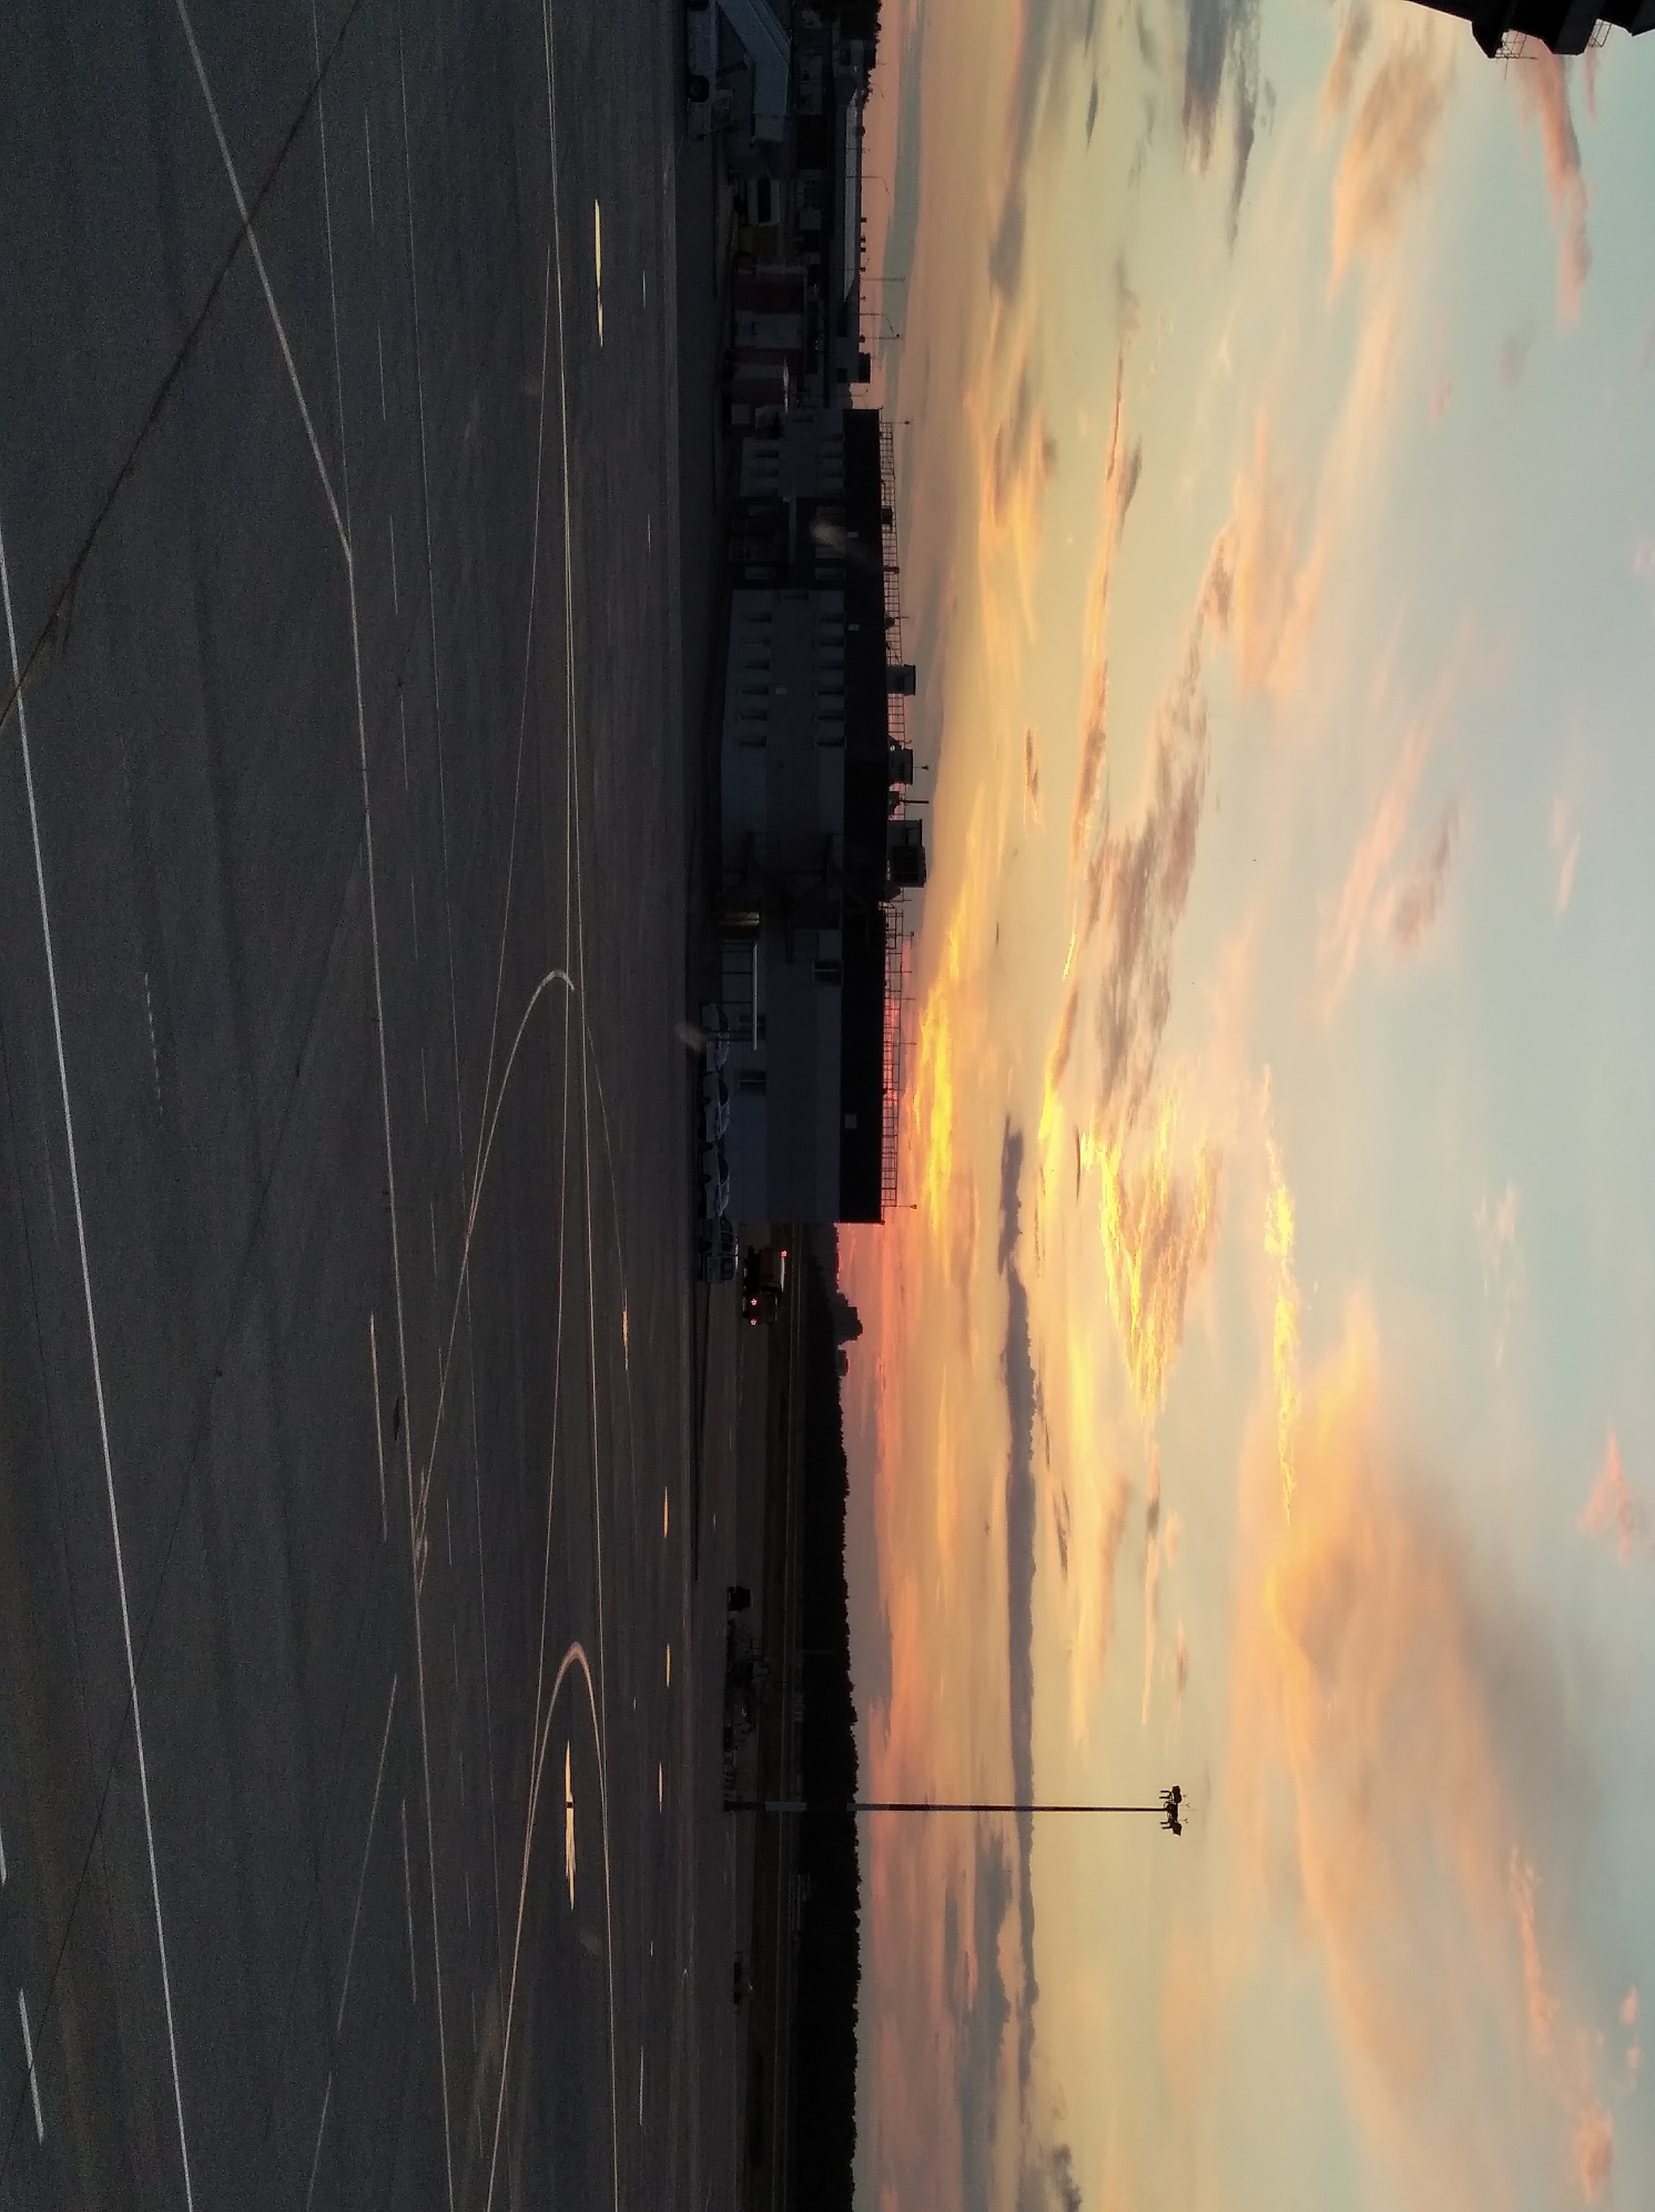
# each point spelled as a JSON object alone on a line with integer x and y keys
{"x": 1060, "y": 1528}
{"x": 981, "y": 2016}
{"x": 1091, "y": 110}
{"x": 1023, "y": 446}
{"x": 1220, "y": 52}
{"x": 1050, "y": 34}
{"x": 1048, "y": 2182}
{"x": 1143, "y": 878}
{"x": 1031, "y": 766}
{"x": 1514, "y": 349}
{"x": 1021, "y": 1522}
{"x": 1353, "y": 36}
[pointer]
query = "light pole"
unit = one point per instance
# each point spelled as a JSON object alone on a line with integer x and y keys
{"x": 1168, "y": 1807}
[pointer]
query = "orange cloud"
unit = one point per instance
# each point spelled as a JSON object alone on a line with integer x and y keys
{"x": 1284, "y": 1331}
{"x": 1615, "y": 1509}
{"x": 1267, "y": 596}
{"x": 1395, "y": 1724}
{"x": 1372, "y": 903}
{"x": 1390, "y": 145}
{"x": 1353, "y": 34}
{"x": 1157, "y": 1225}
{"x": 1543, "y": 90}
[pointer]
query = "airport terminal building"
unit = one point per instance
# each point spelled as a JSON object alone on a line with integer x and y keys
{"x": 818, "y": 843}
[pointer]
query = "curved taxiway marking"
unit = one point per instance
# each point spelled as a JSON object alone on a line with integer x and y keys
{"x": 574, "y": 1657}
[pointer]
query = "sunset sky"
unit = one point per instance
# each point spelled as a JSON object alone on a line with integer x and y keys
{"x": 1258, "y": 1392}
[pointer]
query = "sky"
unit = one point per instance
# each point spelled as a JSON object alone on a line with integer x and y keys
{"x": 1255, "y": 1390}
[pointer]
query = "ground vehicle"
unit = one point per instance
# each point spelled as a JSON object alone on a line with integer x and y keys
{"x": 764, "y": 1280}
{"x": 715, "y": 1250}
{"x": 715, "y": 1105}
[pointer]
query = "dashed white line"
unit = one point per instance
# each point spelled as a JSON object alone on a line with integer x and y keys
{"x": 97, "y": 1377}
{"x": 33, "y": 2076}
{"x": 150, "y": 1017}
{"x": 367, "y": 141}
{"x": 3, "y": 1862}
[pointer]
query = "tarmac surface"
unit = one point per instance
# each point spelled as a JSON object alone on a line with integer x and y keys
{"x": 363, "y": 1438}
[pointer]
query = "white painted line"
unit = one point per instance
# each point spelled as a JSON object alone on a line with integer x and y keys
{"x": 367, "y": 141}
{"x": 34, "y": 2077}
{"x": 378, "y": 1430}
{"x": 3, "y": 1862}
{"x": 258, "y": 264}
{"x": 598, "y": 262}
{"x": 408, "y": 1899}
{"x": 390, "y": 1169}
{"x": 97, "y": 1374}
{"x": 368, "y": 1845}
{"x": 669, "y": 1666}
{"x": 321, "y": 2129}
{"x": 449, "y": 935}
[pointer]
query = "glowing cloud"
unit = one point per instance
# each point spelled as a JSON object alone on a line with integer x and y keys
{"x": 1543, "y": 90}
{"x": 1615, "y": 1509}
{"x": 1157, "y": 1227}
{"x": 1395, "y": 1723}
{"x": 1284, "y": 1333}
{"x": 1390, "y": 144}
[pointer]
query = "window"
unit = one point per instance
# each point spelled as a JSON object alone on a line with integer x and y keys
{"x": 830, "y": 971}
{"x": 752, "y": 1083}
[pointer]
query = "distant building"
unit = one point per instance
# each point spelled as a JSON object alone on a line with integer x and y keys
{"x": 1567, "y": 26}
{"x": 818, "y": 847}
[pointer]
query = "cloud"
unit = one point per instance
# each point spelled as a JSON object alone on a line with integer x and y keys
{"x": 1152, "y": 1572}
{"x": 1503, "y": 1272}
{"x": 1279, "y": 1230}
{"x": 1220, "y": 50}
{"x": 1031, "y": 774}
{"x": 1543, "y": 90}
{"x": 1021, "y": 1520}
{"x": 1514, "y": 350}
{"x": 1353, "y": 34}
{"x": 1023, "y": 454}
{"x": 1614, "y": 1510}
{"x": 1400, "y": 1724}
{"x": 1415, "y": 904}
{"x": 1269, "y": 596}
{"x": 982, "y": 2011}
{"x": 1158, "y": 1221}
{"x": 1047, "y": 2183}
{"x": 1050, "y": 34}
{"x": 1591, "y": 2130}
{"x": 1566, "y": 844}
{"x": 1371, "y": 901}
{"x": 1390, "y": 145}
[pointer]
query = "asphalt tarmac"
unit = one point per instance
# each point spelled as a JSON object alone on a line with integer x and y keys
{"x": 359, "y": 1644}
